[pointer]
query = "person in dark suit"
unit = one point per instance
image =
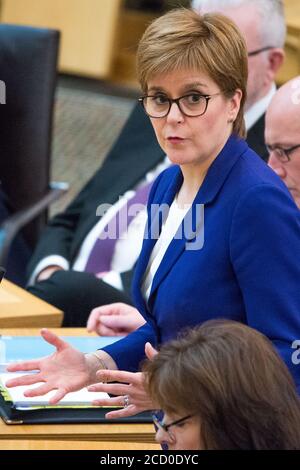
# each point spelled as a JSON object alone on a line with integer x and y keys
{"x": 19, "y": 253}
{"x": 283, "y": 135}
{"x": 56, "y": 268}
{"x": 216, "y": 218}
{"x": 265, "y": 47}
{"x": 135, "y": 153}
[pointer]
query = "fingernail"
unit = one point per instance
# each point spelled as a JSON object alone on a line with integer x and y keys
{"x": 91, "y": 388}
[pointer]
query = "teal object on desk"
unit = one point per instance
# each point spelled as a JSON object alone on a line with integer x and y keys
{"x": 23, "y": 348}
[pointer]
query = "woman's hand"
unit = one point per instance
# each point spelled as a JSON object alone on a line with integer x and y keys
{"x": 66, "y": 370}
{"x": 116, "y": 319}
{"x": 130, "y": 393}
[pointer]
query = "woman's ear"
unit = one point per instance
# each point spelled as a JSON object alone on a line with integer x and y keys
{"x": 234, "y": 106}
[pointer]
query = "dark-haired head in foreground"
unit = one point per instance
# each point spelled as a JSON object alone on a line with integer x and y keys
{"x": 231, "y": 384}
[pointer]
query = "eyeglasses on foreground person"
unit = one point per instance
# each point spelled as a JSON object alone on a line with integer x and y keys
{"x": 223, "y": 386}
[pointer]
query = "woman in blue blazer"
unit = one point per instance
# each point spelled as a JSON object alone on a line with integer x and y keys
{"x": 223, "y": 233}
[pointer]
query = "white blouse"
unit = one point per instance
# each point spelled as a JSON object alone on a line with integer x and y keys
{"x": 169, "y": 229}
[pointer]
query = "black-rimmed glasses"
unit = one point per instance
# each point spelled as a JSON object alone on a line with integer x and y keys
{"x": 191, "y": 105}
{"x": 282, "y": 154}
{"x": 258, "y": 51}
{"x": 166, "y": 427}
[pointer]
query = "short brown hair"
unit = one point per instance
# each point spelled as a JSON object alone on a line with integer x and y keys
{"x": 211, "y": 43}
{"x": 231, "y": 377}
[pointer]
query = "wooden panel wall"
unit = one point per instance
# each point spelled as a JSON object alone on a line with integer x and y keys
{"x": 88, "y": 30}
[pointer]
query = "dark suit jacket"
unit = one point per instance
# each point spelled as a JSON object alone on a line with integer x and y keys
{"x": 242, "y": 270}
{"x": 135, "y": 152}
{"x": 19, "y": 252}
{"x": 256, "y": 138}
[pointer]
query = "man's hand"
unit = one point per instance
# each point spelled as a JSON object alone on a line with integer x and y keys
{"x": 116, "y": 319}
{"x": 47, "y": 272}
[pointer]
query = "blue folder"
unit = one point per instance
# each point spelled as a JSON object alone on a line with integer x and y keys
{"x": 23, "y": 348}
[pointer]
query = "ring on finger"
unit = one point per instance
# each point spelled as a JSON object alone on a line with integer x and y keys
{"x": 126, "y": 401}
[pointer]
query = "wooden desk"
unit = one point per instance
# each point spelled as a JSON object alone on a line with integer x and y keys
{"x": 74, "y": 436}
{"x": 19, "y": 308}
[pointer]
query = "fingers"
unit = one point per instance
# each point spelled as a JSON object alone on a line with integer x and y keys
{"x": 130, "y": 410}
{"x": 115, "y": 401}
{"x": 123, "y": 323}
{"x": 134, "y": 378}
{"x": 24, "y": 380}
{"x": 113, "y": 389}
{"x": 38, "y": 391}
{"x": 117, "y": 308}
{"x": 23, "y": 366}
{"x": 102, "y": 330}
{"x": 150, "y": 351}
{"x": 93, "y": 320}
{"x": 53, "y": 339}
{"x": 59, "y": 395}
{"x": 114, "y": 321}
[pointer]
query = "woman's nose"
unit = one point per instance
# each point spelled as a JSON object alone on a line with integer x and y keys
{"x": 162, "y": 437}
{"x": 175, "y": 115}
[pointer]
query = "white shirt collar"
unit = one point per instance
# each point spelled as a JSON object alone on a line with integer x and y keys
{"x": 259, "y": 108}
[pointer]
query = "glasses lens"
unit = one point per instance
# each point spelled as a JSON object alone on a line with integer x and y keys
{"x": 158, "y": 421}
{"x": 193, "y": 105}
{"x": 279, "y": 153}
{"x": 156, "y": 106}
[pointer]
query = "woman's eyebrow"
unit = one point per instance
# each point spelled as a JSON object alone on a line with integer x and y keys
{"x": 186, "y": 87}
{"x": 189, "y": 86}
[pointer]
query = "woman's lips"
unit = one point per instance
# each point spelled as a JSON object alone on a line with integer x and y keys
{"x": 175, "y": 140}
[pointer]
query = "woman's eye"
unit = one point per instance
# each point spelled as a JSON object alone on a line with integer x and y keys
{"x": 160, "y": 99}
{"x": 194, "y": 99}
{"x": 181, "y": 425}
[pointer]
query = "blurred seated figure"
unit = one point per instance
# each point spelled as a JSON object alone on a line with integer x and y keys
{"x": 19, "y": 253}
{"x": 67, "y": 268}
{"x": 265, "y": 55}
{"x": 61, "y": 271}
{"x": 223, "y": 386}
{"x": 283, "y": 135}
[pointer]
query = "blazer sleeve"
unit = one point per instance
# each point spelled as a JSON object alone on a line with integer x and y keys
{"x": 129, "y": 352}
{"x": 271, "y": 232}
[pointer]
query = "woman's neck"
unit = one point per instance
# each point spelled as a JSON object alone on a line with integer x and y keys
{"x": 193, "y": 177}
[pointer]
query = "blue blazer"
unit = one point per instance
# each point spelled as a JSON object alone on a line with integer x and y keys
{"x": 247, "y": 270}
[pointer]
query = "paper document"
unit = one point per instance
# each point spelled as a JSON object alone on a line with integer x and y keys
{"x": 16, "y": 394}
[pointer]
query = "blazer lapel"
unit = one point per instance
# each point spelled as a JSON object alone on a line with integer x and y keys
{"x": 190, "y": 235}
{"x": 192, "y": 230}
{"x": 157, "y": 213}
